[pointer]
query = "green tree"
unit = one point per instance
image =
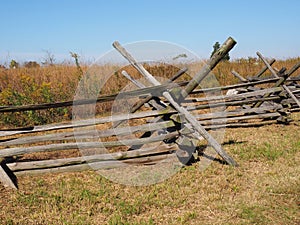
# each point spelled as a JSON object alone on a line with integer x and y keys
{"x": 13, "y": 64}
{"x": 215, "y": 48}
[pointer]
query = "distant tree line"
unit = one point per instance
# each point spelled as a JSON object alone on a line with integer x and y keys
{"x": 14, "y": 64}
{"x": 48, "y": 60}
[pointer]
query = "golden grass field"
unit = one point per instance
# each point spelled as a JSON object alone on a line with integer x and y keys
{"x": 24, "y": 86}
{"x": 264, "y": 189}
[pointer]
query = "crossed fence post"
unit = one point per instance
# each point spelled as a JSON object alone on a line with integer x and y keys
{"x": 275, "y": 75}
{"x": 190, "y": 119}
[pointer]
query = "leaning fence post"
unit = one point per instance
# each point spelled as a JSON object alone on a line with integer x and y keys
{"x": 237, "y": 75}
{"x": 150, "y": 97}
{"x": 211, "y": 64}
{"x": 260, "y": 73}
{"x": 223, "y": 50}
{"x": 275, "y": 74}
{"x": 5, "y": 179}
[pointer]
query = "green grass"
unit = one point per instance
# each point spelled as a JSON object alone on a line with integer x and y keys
{"x": 253, "y": 214}
{"x": 264, "y": 189}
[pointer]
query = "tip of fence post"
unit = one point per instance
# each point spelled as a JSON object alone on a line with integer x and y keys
{"x": 231, "y": 162}
{"x": 115, "y": 43}
{"x": 226, "y": 47}
{"x": 232, "y": 39}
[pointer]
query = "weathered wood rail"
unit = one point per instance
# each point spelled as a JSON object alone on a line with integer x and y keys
{"x": 179, "y": 111}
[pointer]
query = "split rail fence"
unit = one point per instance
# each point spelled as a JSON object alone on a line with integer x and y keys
{"x": 172, "y": 125}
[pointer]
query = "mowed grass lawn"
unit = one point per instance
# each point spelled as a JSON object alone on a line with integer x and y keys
{"x": 264, "y": 189}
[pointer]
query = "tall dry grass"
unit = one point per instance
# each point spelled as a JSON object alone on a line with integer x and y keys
{"x": 247, "y": 68}
{"x": 23, "y": 86}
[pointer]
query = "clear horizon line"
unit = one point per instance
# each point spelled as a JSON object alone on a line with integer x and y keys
{"x": 23, "y": 57}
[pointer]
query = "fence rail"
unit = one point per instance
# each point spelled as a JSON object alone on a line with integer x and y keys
{"x": 154, "y": 134}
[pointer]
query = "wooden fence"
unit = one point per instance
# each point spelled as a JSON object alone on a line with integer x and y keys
{"x": 177, "y": 119}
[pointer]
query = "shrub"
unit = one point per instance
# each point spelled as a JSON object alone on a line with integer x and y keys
{"x": 31, "y": 64}
{"x": 13, "y": 64}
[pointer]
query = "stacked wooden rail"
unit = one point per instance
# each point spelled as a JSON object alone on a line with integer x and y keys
{"x": 178, "y": 119}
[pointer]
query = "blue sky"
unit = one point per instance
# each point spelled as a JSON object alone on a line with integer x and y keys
{"x": 31, "y": 27}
